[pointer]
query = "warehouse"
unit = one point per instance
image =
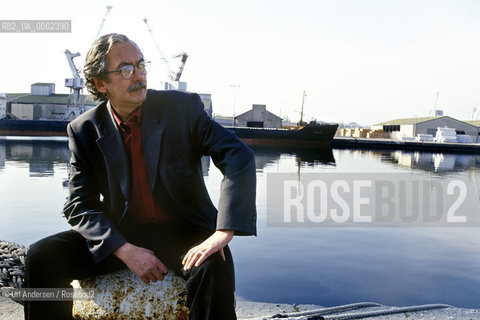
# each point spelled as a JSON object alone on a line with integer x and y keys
{"x": 42, "y": 103}
{"x": 258, "y": 117}
{"x": 412, "y": 127}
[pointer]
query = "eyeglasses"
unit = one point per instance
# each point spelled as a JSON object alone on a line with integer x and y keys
{"x": 127, "y": 70}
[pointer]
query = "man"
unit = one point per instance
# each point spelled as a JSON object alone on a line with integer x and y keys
{"x": 136, "y": 191}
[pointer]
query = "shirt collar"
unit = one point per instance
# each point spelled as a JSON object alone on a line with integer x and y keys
{"x": 137, "y": 113}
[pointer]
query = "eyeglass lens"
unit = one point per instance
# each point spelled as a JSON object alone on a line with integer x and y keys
{"x": 128, "y": 70}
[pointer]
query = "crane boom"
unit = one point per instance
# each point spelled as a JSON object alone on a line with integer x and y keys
{"x": 184, "y": 57}
{"x": 70, "y": 56}
{"x": 103, "y": 21}
{"x": 100, "y": 28}
{"x": 171, "y": 74}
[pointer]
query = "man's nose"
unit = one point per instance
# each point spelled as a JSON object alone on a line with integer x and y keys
{"x": 137, "y": 75}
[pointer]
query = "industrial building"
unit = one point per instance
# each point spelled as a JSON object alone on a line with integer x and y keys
{"x": 412, "y": 127}
{"x": 3, "y": 105}
{"x": 42, "y": 103}
{"x": 258, "y": 117}
{"x": 207, "y": 102}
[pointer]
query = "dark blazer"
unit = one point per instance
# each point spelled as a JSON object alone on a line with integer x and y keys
{"x": 176, "y": 132}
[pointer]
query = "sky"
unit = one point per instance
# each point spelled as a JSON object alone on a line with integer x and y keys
{"x": 363, "y": 61}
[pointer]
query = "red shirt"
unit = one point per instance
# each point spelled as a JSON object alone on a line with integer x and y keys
{"x": 143, "y": 208}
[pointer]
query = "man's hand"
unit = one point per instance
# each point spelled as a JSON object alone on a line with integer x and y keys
{"x": 215, "y": 243}
{"x": 142, "y": 262}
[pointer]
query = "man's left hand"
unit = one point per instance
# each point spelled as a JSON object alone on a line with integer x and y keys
{"x": 215, "y": 243}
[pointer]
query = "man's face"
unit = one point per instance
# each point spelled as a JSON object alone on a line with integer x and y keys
{"x": 118, "y": 89}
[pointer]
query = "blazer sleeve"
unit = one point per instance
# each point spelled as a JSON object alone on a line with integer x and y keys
{"x": 84, "y": 209}
{"x": 236, "y": 207}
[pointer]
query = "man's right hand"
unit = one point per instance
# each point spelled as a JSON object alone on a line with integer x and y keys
{"x": 142, "y": 262}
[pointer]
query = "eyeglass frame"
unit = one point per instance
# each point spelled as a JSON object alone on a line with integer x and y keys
{"x": 122, "y": 70}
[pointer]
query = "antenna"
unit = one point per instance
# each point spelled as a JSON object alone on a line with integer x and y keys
{"x": 475, "y": 113}
{"x": 435, "y": 106}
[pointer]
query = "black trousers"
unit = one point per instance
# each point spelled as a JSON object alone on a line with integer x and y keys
{"x": 55, "y": 261}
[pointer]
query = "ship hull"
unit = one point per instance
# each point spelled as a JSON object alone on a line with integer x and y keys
{"x": 10, "y": 127}
{"x": 319, "y": 135}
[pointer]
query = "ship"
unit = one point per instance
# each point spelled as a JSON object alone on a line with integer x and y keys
{"x": 310, "y": 135}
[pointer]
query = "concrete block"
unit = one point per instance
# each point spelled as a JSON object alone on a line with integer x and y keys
{"x": 122, "y": 295}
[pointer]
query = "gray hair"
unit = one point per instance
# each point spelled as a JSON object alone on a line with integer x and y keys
{"x": 96, "y": 61}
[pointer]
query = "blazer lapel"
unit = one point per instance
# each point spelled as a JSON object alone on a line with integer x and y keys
{"x": 111, "y": 144}
{"x": 152, "y": 132}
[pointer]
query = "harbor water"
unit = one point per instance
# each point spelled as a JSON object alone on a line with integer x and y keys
{"x": 306, "y": 262}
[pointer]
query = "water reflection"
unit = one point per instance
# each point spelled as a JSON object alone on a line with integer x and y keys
{"x": 425, "y": 161}
{"x": 2, "y": 156}
{"x": 41, "y": 156}
{"x": 265, "y": 156}
{"x": 435, "y": 162}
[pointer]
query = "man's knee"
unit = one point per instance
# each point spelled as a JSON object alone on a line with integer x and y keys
{"x": 214, "y": 263}
{"x": 214, "y": 269}
{"x": 53, "y": 253}
{"x": 38, "y": 253}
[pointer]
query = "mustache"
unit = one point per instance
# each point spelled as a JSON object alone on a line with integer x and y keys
{"x": 137, "y": 85}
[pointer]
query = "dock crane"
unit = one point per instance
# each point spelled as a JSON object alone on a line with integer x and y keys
{"x": 76, "y": 84}
{"x": 172, "y": 75}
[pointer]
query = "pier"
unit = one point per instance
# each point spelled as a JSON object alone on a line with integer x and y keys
{"x": 390, "y": 144}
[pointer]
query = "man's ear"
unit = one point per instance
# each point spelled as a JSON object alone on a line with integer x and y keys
{"x": 100, "y": 85}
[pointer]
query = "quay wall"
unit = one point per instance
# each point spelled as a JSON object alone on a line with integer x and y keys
{"x": 389, "y": 144}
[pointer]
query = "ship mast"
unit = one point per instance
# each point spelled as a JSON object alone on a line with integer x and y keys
{"x": 301, "y": 123}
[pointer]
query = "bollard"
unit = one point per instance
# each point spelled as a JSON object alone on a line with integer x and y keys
{"x": 122, "y": 295}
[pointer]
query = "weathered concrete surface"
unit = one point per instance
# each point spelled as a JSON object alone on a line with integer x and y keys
{"x": 10, "y": 310}
{"x": 122, "y": 295}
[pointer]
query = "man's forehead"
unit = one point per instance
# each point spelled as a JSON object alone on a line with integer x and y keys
{"x": 124, "y": 52}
